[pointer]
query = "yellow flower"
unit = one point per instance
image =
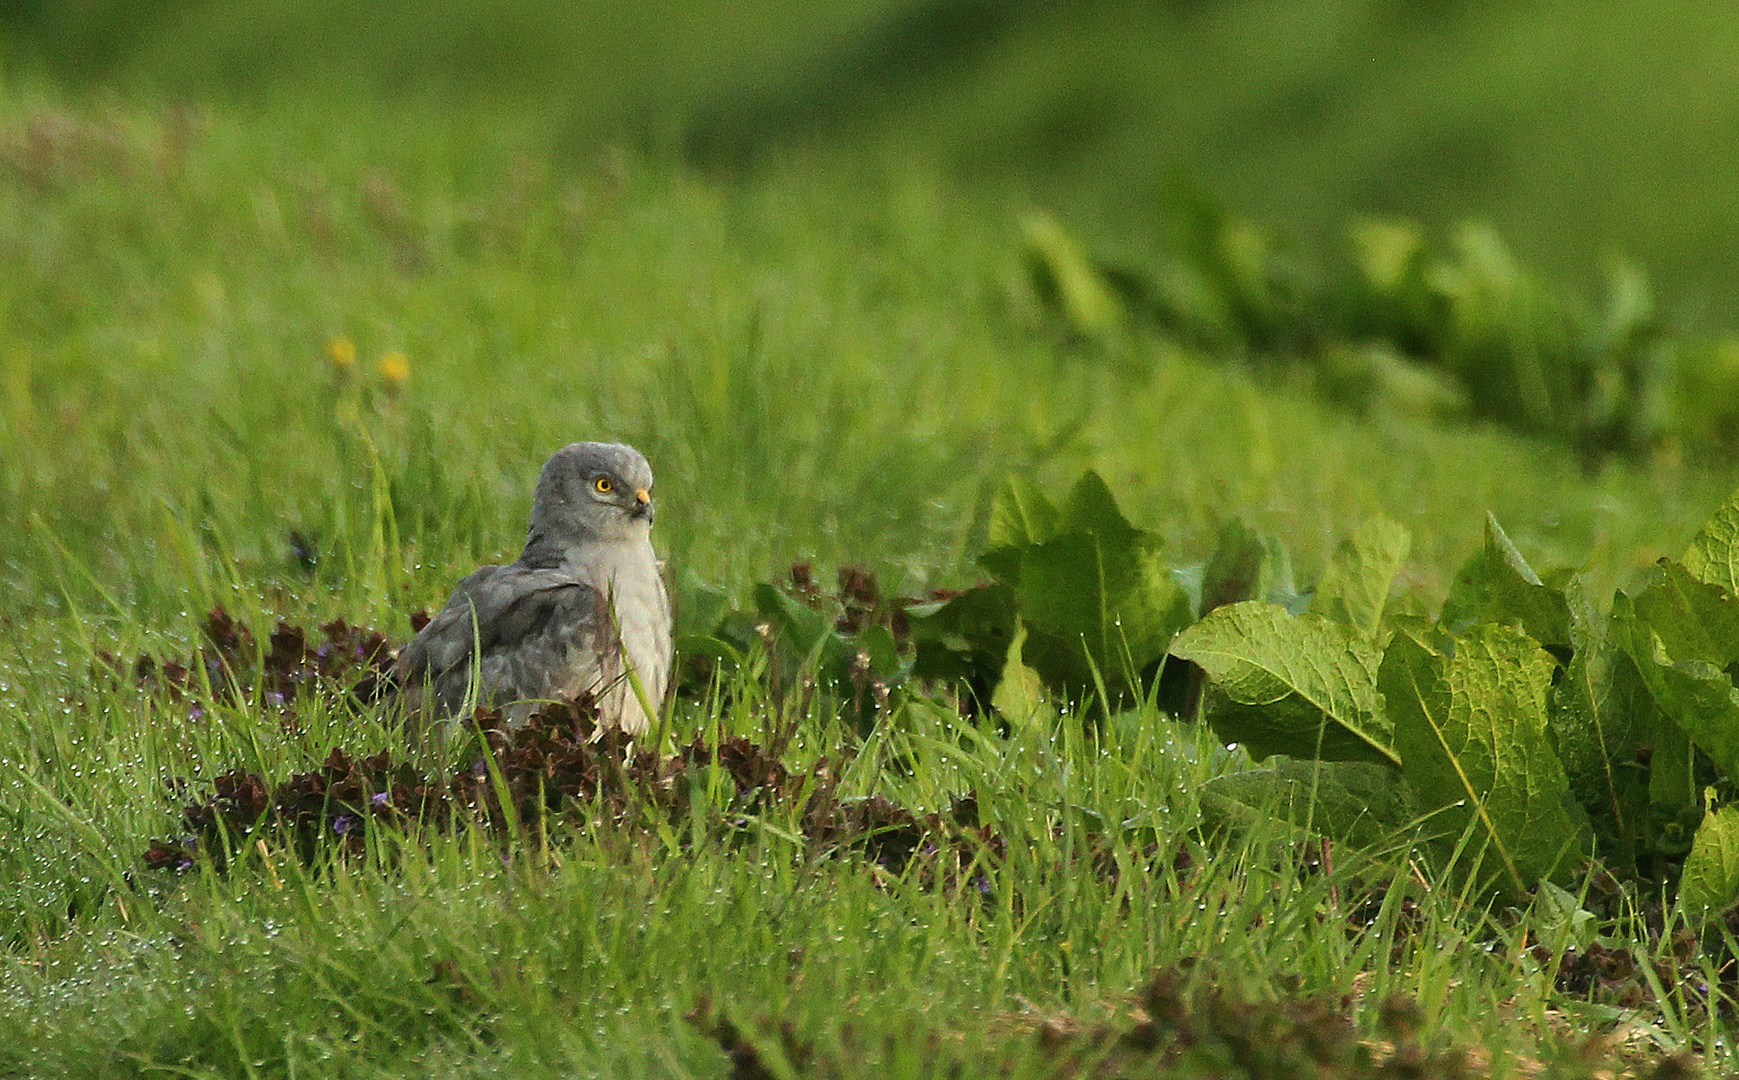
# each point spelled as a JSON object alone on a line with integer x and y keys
{"x": 394, "y": 369}
{"x": 341, "y": 351}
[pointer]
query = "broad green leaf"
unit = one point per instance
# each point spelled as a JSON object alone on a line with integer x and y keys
{"x": 1355, "y": 585}
{"x": 706, "y": 623}
{"x": 1091, "y": 508}
{"x": 1713, "y": 556}
{"x": 1693, "y": 619}
{"x": 1471, "y": 732}
{"x": 806, "y": 636}
{"x": 1291, "y": 726}
{"x": 1701, "y": 699}
{"x": 1670, "y": 782}
{"x": 964, "y": 638}
{"x": 1354, "y": 802}
{"x": 1098, "y": 605}
{"x": 1020, "y": 693}
{"x": 1673, "y": 630}
{"x": 1292, "y": 684}
{"x": 1099, "y": 608}
{"x": 1558, "y": 915}
{"x": 712, "y": 646}
{"x": 1602, "y": 715}
{"x": 1247, "y": 566}
{"x": 1498, "y": 586}
{"x": 1020, "y": 517}
{"x": 1710, "y": 881}
{"x": 1588, "y": 619}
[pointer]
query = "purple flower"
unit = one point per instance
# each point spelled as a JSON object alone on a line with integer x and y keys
{"x": 983, "y": 884}
{"x": 183, "y": 864}
{"x": 380, "y": 798}
{"x": 274, "y": 697}
{"x": 342, "y": 824}
{"x": 197, "y": 712}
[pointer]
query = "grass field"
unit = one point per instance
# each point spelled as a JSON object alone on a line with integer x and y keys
{"x": 836, "y": 366}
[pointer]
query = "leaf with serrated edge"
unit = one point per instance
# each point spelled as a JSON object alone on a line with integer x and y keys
{"x": 1674, "y": 631}
{"x": 1291, "y": 726}
{"x": 1098, "y": 607}
{"x": 1713, "y": 556}
{"x": 1471, "y": 732}
{"x": 1355, "y": 585}
{"x": 1258, "y": 655}
{"x": 1694, "y": 620}
{"x": 1355, "y": 802}
{"x": 1497, "y": 585}
{"x": 1710, "y": 881}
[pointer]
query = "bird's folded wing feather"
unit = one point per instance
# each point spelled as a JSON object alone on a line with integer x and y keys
{"x": 496, "y": 612}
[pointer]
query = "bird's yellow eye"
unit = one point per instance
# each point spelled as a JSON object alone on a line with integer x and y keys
{"x": 604, "y": 485}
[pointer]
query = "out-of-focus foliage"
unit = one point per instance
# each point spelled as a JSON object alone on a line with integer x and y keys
{"x": 1574, "y": 129}
{"x": 1459, "y": 329}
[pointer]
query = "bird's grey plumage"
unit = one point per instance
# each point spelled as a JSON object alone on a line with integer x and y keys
{"x": 582, "y": 606}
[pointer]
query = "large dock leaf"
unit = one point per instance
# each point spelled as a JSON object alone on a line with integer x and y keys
{"x": 1300, "y": 685}
{"x": 1471, "y": 732}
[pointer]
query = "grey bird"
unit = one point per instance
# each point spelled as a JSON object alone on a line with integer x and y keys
{"x": 583, "y": 609}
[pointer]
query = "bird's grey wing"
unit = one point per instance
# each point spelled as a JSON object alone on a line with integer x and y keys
{"x": 447, "y": 638}
{"x": 549, "y": 643}
{"x": 488, "y": 614}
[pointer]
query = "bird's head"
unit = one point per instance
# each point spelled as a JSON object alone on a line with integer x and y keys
{"x": 588, "y": 491}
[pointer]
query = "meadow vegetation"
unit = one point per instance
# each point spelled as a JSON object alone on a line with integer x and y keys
{"x": 297, "y": 359}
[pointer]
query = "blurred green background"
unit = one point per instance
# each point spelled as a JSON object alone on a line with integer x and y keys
{"x": 1579, "y": 130}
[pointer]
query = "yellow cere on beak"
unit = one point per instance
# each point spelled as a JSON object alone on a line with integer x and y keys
{"x": 642, "y": 496}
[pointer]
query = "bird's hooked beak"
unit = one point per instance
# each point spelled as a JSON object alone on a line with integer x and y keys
{"x": 642, "y": 504}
